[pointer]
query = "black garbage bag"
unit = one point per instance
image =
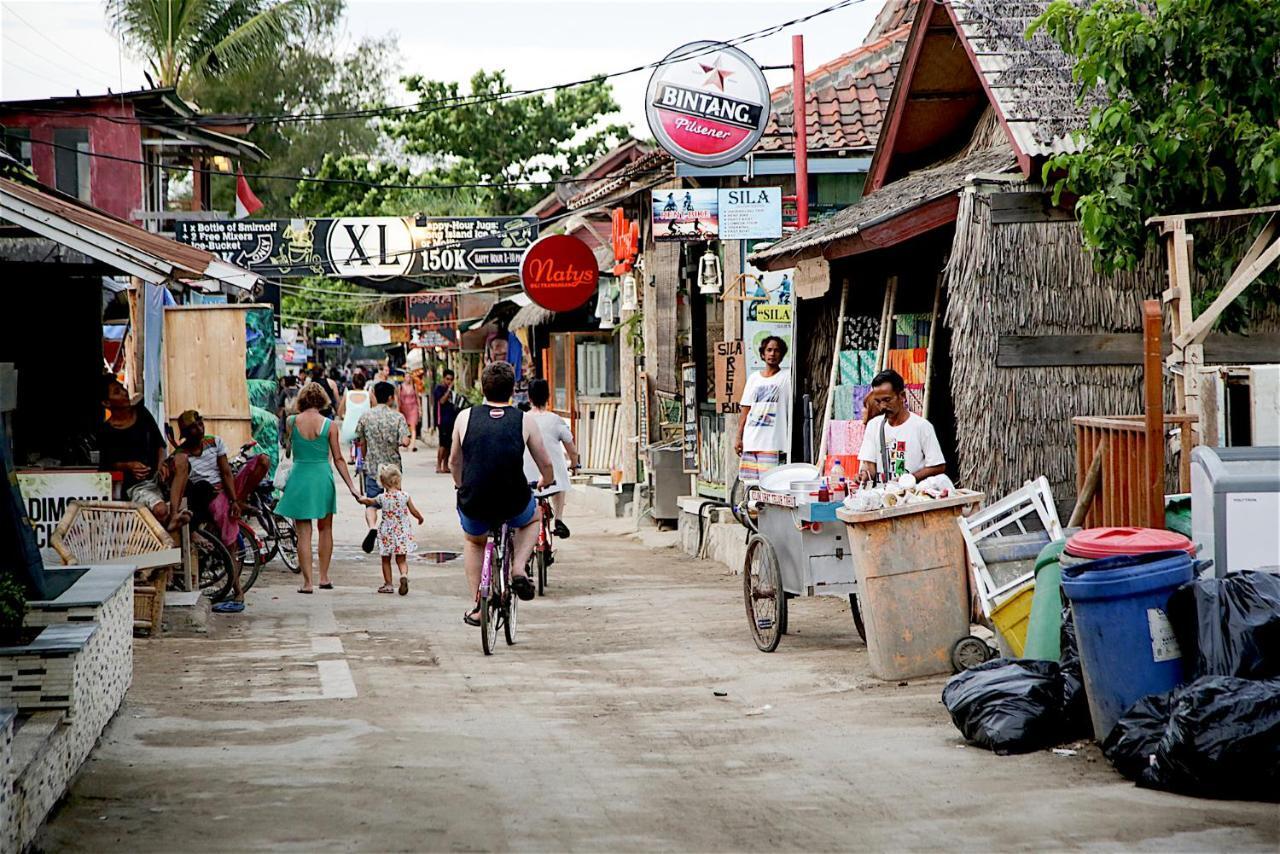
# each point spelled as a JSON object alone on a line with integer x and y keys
{"x": 1229, "y": 626}
{"x": 1222, "y": 741}
{"x": 1133, "y": 740}
{"x": 1007, "y": 705}
{"x": 1075, "y": 703}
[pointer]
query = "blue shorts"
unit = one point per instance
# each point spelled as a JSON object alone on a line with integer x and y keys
{"x": 476, "y": 528}
{"x": 372, "y": 489}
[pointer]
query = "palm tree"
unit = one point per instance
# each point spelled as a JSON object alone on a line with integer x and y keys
{"x": 193, "y": 39}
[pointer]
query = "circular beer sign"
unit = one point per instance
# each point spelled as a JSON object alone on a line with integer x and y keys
{"x": 707, "y": 103}
{"x": 559, "y": 272}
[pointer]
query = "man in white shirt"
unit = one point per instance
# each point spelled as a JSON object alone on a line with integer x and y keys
{"x": 897, "y": 438}
{"x": 764, "y": 424}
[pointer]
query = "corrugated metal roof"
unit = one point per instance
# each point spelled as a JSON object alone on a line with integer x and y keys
{"x": 891, "y": 200}
{"x": 113, "y": 241}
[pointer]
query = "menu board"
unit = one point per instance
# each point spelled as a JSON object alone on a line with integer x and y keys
{"x": 689, "y": 413}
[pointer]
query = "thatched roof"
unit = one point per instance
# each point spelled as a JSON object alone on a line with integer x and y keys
{"x": 531, "y": 315}
{"x": 1030, "y": 79}
{"x": 899, "y": 197}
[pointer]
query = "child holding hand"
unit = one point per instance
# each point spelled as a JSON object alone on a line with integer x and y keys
{"x": 395, "y": 537}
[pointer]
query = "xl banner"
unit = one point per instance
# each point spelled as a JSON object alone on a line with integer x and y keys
{"x": 370, "y": 247}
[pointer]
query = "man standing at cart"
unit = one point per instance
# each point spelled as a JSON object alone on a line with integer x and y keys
{"x": 764, "y": 424}
{"x": 897, "y": 441}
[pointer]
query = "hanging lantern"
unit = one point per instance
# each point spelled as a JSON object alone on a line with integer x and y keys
{"x": 709, "y": 273}
{"x": 630, "y": 299}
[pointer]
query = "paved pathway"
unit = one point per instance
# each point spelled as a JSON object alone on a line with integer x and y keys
{"x": 352, "y": 721}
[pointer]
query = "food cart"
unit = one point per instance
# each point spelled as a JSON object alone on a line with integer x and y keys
{"x": 799, "y": 549}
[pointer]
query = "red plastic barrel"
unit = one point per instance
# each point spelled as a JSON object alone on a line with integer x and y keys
{"x": 1097, "y": 543}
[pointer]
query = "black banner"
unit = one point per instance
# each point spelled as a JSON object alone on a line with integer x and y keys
{"x": 376, "y": 248}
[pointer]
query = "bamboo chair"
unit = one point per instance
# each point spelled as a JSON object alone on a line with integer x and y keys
{"x": 120, "y": 532}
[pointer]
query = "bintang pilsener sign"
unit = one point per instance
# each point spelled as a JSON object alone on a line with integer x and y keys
{"x": 707, "y": 103}
{"x": 367, "y": 247}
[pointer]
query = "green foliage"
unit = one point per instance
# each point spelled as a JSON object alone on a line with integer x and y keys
{"x": 310, "y": 73}
{"x": 13, "y": 605}
{"x": 1190, "y": 118}
{"x": 525, "y": 137}
{"x": 184, "y": 40}
{"x": 314, "y": 199}
{"x": 307, "y": 300}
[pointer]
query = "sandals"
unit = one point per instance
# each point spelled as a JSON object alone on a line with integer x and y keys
{"x": 472, "y": 618}
{"x": 523, "y": 587}
{"x": 308, "y": 592}
{"x": 404, "y": 585}
{"x": 326, "y": 586}
{"x": 369, "y": 540}
{"x": 386, "y": 588}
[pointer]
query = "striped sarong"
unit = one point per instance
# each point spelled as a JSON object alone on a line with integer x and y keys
{"x": 755, "y": 463}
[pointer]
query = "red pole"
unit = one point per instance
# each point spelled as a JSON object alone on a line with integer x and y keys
{"x": 1153, "y": 404}
{"x": 800, "y": 115}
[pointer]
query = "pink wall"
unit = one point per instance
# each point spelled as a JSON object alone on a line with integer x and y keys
{"x": 115, "y": 186}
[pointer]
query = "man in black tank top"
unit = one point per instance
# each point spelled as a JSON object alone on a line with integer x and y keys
{"x": 487, "y": 461}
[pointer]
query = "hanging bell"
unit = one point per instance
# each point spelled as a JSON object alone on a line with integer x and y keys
{"x": 709, "y": 273}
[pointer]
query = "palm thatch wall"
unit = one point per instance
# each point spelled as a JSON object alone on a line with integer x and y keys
{"x": 1014, "y": 424}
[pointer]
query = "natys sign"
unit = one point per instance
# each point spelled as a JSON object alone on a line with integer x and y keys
{"x": 559, "y": 272}
{"x": 707, "y": 103}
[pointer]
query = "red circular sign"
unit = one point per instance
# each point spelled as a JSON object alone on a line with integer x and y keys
{"x": 559, "y": 272}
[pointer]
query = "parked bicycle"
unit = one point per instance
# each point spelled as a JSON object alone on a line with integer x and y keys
{"x": 275, "y": 534}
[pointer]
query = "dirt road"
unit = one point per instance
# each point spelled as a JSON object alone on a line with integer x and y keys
{"x": 353, "y": 721}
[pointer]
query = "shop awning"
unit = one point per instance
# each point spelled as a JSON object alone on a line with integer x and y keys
{"x": 906, "y": 208}
{"x": 118, "y": 244}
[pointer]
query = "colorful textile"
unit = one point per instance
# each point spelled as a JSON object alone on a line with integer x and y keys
{"x": 910, "y": 331}
{"x": 857, "y": 366}
{"x": 915, "y": 398}
{"x": 861, "y": 332}
{"x": 911, "y": 364}
{"x": 755, "y": 463}
{"x": 860, "y": 393}
{"x": 845, "y": 437}
{"x": 842, "y": 403}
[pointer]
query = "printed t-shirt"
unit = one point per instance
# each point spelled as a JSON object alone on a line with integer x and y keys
{"x": 913, "y": 443}
{"x": 769, "y": 421}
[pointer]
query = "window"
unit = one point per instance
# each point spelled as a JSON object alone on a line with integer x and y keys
{"x": 17, "y": 141}
{"x": 71, "y": 162}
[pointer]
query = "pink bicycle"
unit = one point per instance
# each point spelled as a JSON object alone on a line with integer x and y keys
{"x": 497, "y": 600}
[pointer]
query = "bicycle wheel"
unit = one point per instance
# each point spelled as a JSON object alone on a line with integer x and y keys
{"x": 264, "y": 527}
{"x": 488, "y": 625}
{"x": 856, "y": 607}
{"x": 249, "y": 551}
{"x": 738, "y": 505}
{"x": 287, "y": 538}
{"x": 510, "y": 601}
{"x": 539, "y": 565}
{"x": 762, "y": 591}
{"x": 214, "y": 562}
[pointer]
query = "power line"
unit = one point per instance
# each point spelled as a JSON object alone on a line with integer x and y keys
{"x": 423, "y": 107}
{"x": 8, "y": 8}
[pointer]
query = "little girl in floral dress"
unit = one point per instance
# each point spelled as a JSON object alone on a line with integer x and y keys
{"x": 395, "y": 537}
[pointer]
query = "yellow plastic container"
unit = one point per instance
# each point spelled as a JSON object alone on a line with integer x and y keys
{"x": 1012, "y": 616}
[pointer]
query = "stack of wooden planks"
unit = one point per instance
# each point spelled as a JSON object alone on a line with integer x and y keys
{"x": 599, "y": 434}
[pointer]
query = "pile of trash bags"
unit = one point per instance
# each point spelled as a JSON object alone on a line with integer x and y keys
{"x": 1219, "y": 734}
{"x": 1017, "y": 705}
{"x": 1215, "y": 736}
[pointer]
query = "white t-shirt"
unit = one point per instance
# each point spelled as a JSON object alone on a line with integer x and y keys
{"x": 919, "y": 444}
{"x": 769, "y": 421}
{"x": 205, "y": 467}
{"x": 554, "y": 432}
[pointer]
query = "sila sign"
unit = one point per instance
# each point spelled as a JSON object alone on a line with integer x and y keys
{"x": 559, "y": 273}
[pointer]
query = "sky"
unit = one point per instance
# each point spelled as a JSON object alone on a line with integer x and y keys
{"x": 50, "y": 47}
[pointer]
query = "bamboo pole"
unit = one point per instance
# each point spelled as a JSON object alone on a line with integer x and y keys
{"x": 832, "y": 376}
{"x": 1089, "y": 488}
{"x": 886, "y": 322}
{"x": 933, "y": 337}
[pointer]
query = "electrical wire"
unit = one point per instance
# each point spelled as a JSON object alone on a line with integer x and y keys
{"x": 455, "y": 102}
{"x": 293, "y": 318}
{"x": 80, "y": 59}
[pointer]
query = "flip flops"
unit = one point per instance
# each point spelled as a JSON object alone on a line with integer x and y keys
{"x": 470, "y": 620}
{"x": 228, "y": 607}
{"x": 326, "y": 586}
{"x": 369, "y": 539}
{"x": 404, "y": 585}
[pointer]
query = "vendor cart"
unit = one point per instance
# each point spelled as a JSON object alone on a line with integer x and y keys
{"x": 800, "y": 549}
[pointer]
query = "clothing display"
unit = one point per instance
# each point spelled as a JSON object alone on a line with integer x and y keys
{"x": 857, "y": 367}
{"x": 861, "y": 332}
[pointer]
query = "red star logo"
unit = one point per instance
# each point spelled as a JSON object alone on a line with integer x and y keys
{"x": 715, "y": 74}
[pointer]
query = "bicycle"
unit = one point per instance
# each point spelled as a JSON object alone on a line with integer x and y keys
{"x": 276, "y": 534}
{"x": 543, "y": 554}
{"x": 498, "y": 601}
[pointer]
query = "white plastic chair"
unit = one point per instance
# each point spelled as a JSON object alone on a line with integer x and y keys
{"x": 1005, "y": 518}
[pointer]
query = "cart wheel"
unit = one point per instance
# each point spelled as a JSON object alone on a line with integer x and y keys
{"x": 762, "y": 591}
{"x": 968, "y": 652}
{"x": 856, "y": 607}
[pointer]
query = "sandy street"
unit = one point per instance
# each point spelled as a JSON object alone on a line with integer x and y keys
{"x": 352, "y": 721}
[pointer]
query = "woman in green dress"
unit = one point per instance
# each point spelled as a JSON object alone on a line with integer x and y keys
{"x": 309, "y": 493}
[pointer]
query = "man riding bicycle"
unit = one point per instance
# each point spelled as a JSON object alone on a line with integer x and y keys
{"x": 487, "y": 461}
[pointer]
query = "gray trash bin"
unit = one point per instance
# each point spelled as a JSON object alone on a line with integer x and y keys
{"x": 667, "y": 480}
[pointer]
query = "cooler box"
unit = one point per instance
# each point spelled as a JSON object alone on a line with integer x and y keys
{"x": 1235, "y": 505}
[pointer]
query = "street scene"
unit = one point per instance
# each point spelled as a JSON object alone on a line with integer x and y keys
{"x": 546, "y": 426}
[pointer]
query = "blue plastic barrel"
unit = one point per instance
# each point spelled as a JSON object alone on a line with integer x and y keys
{"x": 1127, "y": 647}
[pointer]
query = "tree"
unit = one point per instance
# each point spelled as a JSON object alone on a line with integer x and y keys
{"x": 494, "y": 136}
{"x": 311, "y": 73}
{"x": 185, "y": 40}
{"x": 1188, "y": 117}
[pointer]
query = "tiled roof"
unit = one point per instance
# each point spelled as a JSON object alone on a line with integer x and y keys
{"x": 654, "y": 161}
{"x": 894, "y": 14}
{"x": 847, "y": 97}
{"x": 1031, "y": 79}
{"x": 905, "y": 194}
